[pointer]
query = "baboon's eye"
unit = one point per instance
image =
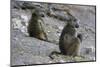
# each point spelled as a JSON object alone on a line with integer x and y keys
{"x": 75, "y": 20}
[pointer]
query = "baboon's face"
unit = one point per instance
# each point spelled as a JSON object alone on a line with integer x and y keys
{"x": 34, "y": 15}
{"x": 74, "y": 23}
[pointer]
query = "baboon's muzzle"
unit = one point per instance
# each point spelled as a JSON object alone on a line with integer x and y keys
{"x": 77, "y": 25}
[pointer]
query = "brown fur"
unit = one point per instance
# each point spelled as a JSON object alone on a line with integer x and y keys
{"x": 35, "y": 28}
{"x": 69, "y": 41}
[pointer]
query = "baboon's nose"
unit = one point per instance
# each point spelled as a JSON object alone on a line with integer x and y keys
{"x": 77, "y": 23}
{"x": 77, "y": 26}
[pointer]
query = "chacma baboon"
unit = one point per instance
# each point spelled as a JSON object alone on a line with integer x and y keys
{"x": 36, "y": 28}
{"x": 69, "y": 41}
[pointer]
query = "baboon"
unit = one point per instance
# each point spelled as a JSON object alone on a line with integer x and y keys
{"x": 69, "y": 41}
{"x": 36, "y": 28}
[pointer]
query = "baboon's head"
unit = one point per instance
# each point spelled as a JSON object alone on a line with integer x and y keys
{"x": 34, "y": 14}
{"x": 73, "y": 21}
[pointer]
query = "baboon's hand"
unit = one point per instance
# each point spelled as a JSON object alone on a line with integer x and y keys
{"x": 80, "y": 37}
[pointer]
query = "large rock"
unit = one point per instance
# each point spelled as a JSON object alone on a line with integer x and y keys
{"x": 27, "y": 50}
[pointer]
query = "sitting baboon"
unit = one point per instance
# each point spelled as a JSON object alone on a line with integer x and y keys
{"x": 69, "y": 41}
{"x": 36, "y": 28}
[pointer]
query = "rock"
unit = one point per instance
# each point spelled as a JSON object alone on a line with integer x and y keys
{"x": 27, "y": 50}
{"x": 62, "y": 58}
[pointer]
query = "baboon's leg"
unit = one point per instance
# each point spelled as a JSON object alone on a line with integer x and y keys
{"x": 52, "y": 53}
{"x": 73, "y": 49}
{"x": 64, "y": 43}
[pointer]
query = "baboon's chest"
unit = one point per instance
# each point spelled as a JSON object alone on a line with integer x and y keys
{"x": 71, "y": 32}
{"x": 68, "y": 39}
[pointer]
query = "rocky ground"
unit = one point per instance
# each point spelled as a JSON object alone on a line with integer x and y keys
{"x": 29, "y": 50}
